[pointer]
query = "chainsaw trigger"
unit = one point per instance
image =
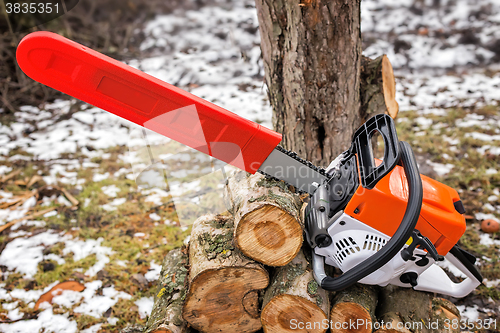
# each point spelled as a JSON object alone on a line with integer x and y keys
{"x": 418, "y": 239}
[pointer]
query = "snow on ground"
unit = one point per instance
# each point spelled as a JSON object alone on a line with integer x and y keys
{"x": 438, "y": 49}
{"x": 444, "y": 56}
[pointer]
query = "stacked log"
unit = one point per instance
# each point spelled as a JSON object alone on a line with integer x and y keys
{"x": 268, "y": 227}
{"x": 170, "y": 294}
{"x": 224, "y": 284}
{"x": 402, "y": 310}
{"x": 294, "y": 302}
{"x": 355, "y": 306}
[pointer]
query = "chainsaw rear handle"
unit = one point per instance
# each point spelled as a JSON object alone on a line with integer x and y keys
{"x": 394, "y": 245}
{"x": 145, "y": 100}
{"x": 435, "y": 280}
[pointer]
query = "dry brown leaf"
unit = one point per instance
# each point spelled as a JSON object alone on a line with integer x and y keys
{"x": 57, "y": 290}
{"x": 490, "y": 226}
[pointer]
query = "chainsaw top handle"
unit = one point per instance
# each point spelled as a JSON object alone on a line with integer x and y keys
{"x": 394, "y": 245}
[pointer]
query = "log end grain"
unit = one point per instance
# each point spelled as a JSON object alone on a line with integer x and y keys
{"x": 221, "y": 300}
{"x": 389, "y": 87}
{"x": 349, "y": 312}
{"x": 269, "y": 235}
{"x": 287, "y": 313}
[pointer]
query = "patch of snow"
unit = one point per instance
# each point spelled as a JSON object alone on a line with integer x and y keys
{"x": 5, "y": 169}
{"x": 153, "y": 273}
{"x": 50, "y": 214}
{"x": 55, "y": 257}
{"x": 112, "y": 320}
{"x": 469, "y": 313}
{"x": 483, "y": 216}
{"x": 100, "y": 177}
{"x": 423, "y": 122}
{"x": 482, "y": 136}
{"x": 155, "y": 196}
{"x": 491, "y": 171}
{"x": 154, "y": 217}
{"x": 114, "y": 204}
{"x": 489, "y": 206}
{"x": 451, "y": 268}
{"x": 62, "y": 200}
{"x": 24, "y": 254}
{"x": 95, "y": 305}
{"x": 46, "y": 321}
{"x": 485, "y": 239}
{"x": 491, "y": 284}
{"x": 145, "y": 305}
{"x": 111, "y": 190}
{"x": 441, "y": 169}
{"x": 122, "y": 263}
{"x": 82, "y": 249}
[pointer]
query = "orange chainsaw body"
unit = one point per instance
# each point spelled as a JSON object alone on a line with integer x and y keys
{"x": 383, "y": 207}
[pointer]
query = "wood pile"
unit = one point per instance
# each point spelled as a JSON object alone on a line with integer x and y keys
{"x": 247, "y": 270}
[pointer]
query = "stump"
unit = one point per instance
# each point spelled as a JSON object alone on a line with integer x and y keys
{"x": 169, "y": 297}
{"x": 378, "y": 87}
{"x": 224, "y": 284}
{"x": 268, "y": 227}
{"x": 294, "y": 302}
{"x": 355, "y": 304}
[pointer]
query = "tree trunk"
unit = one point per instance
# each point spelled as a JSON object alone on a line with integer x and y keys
{"x": 267, "y": 219}
{"x": 171, "y": 291}
{"x": 378, "y": 88}
{"x": 312, "y": 56}
{"x": 223, "y": 288}
{"x": 357, "y": 305}
{"x": 294, "y": 302}
{"x": 402, "y": 310}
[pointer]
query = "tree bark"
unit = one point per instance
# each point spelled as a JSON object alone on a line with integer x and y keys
{"x": 224, "y": 284}
{"x": 268, "y": 226}
{"x": 355, "y": 304}
{"x": 312, "y": 56}
{"x": 294, "y": 302}
{"x": 378, "y": 88}
{"x": 169, "y": 298}
{"x": 402, "y": 310}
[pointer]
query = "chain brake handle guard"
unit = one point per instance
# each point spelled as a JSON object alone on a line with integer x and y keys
{"x": 369, "y": 172}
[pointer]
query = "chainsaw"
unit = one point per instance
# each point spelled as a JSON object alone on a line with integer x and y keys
{"x": 378, "y": 221}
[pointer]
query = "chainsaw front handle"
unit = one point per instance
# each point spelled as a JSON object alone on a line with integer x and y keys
{"x": 394, "y": 245}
